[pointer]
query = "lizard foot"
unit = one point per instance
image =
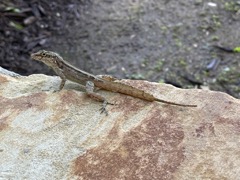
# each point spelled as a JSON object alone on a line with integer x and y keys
{"x": 103, "y": 108}
{"x": 55, "y": 91}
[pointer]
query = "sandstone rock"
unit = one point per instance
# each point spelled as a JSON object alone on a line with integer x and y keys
{"x": 62, "y": 135}
{"x": 9, "y": 73}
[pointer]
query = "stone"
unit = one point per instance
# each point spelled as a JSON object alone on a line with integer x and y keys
{"x": 62, "y": 135}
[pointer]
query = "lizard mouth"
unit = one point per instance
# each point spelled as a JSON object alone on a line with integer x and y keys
{"x": 35, "y": 56}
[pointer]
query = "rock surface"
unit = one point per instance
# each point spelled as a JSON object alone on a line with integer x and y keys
{"x": 62, "y": 135}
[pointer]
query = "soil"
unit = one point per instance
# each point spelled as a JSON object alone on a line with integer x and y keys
{"x": 156, "y": 40}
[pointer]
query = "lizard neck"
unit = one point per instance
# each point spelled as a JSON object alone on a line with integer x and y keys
{"x": 76, "y": 75}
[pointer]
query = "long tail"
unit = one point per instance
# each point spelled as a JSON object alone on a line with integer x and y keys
{"x": 115, "y": 86}
{"x": 176, "y": 104}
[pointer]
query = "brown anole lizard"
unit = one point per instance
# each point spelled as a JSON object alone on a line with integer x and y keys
{"x": 106, "y": 82}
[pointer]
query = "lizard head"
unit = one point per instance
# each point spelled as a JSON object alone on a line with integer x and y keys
{"x": 48, "y": 57}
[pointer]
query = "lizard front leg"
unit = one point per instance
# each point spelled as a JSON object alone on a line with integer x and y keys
{"x": 60, "y": 73}
{"x": 96, "y": 96}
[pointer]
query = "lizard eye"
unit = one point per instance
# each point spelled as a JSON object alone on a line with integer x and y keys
{"x": 44, "y": 54}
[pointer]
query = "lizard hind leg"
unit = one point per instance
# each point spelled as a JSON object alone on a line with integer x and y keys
{"x": 96, "y": 96}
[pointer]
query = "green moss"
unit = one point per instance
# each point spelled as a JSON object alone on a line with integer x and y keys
{"x": 164, "y": 29}
{"x": 16, "y": 25}
{"x": 232, "y": 6}
{"x": 178, "y": 42}
{"x": 182, "y": 62}
{"x": 206, "y": 73}
{"x": 215, "y": 38}
{"x": 137, "y": 76}
{"x": 161, "y": 81}
{"x": 145, "y": 62}
{"x": 229, "y": 76}
{"x": 159, "y": 65}
{"x": 216, "y": 21}
{"x": 236, "y": 49}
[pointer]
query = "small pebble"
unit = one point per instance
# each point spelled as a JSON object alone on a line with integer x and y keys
{"x": 212, "y": 4}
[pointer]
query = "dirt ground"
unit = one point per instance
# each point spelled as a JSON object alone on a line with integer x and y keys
{"x": 157, "y": 40}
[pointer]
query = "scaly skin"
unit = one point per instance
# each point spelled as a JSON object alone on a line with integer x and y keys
{"x": 67, "y": 71}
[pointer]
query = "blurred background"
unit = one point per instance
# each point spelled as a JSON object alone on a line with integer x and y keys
{"x": 156, "y": 40}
